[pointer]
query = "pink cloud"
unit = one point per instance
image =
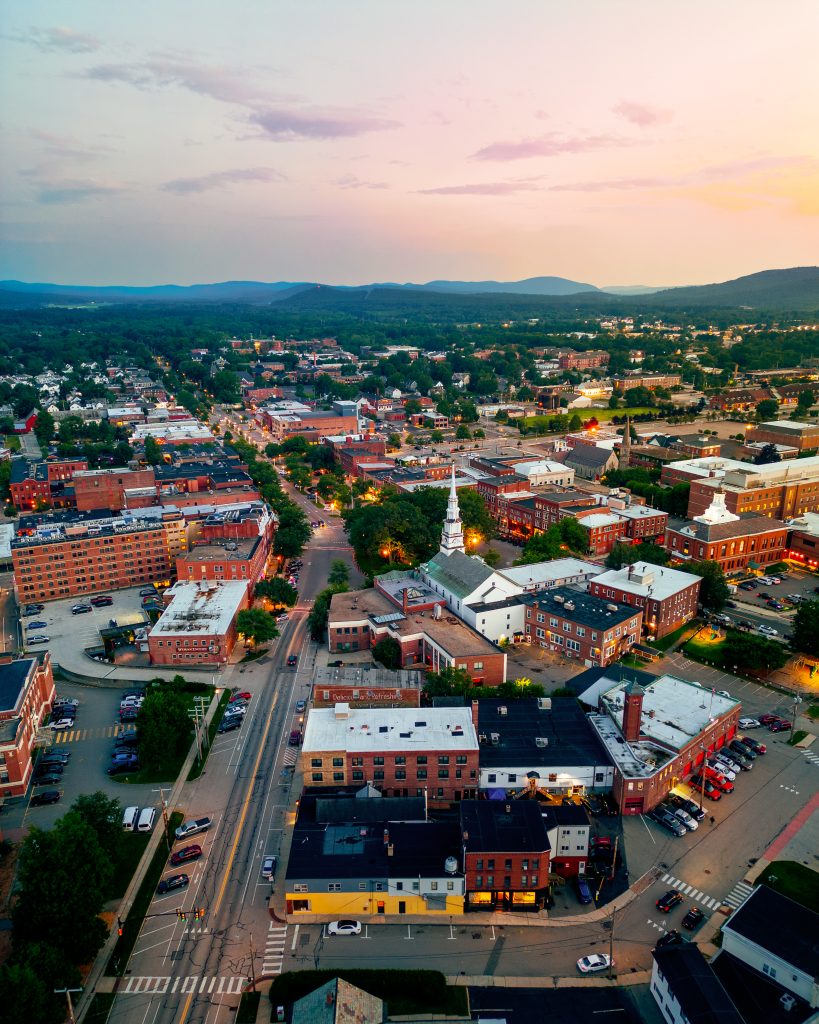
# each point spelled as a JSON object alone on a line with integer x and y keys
{"x": 287, "y": 125}
{"x": 642, "y": 114}
{"x": 219, "y": 179}
{"x": 488, "y": 188}
{"x": 552, "y": 144}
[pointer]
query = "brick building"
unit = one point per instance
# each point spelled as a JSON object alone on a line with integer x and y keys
{"x": 43, "y": 483}
{"x": 643, "y": 523}
{"x": 656, "y": 730}
{"x": 198, "y": 625}
{"x": 582, "y": 626}
{"x": 428, "y": 639}
{"x": 106, "y": 488}
{"x": 734, "y": 542}
{"x": 506, "y": 855}
{"x": 668, "y": 598}
{"x": 432, "y": 752}
{"x": 589, "y": 360}
{"x": 603, "y": 529}
{"x": 639, "y": 379}
{"x": 591, "y": 462}
{"x": 229, "y": 545}
{"x": 803, "y": 436}
{"x": 76, "y": 553}
{"x": 26, "y": 695}
{"x": 781, "y": 490}
{"x": 366, "y": 686}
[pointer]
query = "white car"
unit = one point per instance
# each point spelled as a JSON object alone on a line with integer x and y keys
{"x": 748, "y": 723}
{"x": 723, "y": 767}
{"x": 344, "y": 928}
{"x": 594, "y": 962}
{"x": 269, "y": 867}
{"x": 767, "y": 630}
{"x": 32, "y": 640}
{"x": 63, "y": 723}
{"x": 686, "y": 819}
{"x": 766, "y": 581}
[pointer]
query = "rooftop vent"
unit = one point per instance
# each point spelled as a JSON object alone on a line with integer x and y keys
{"x": 541, "y": 741}
{"x": 503, "y": 710}
{"x": 612, "y": 607}
{"x": 569, "y": 606}
{"x": 495, "y": 737}
{"x": 558, "y": 598}
{"x": 544, "y": 703}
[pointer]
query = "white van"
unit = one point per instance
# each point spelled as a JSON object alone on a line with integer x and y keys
{"x": 129, "y": 818}
{"x": 146, "y": 820}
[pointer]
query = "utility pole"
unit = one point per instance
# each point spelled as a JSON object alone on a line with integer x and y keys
{"x": 252, "y": 965}
{"x": 611, "y": 943}
{"x": 164, "y": 803}
{"x": 797, "y": 700}
{"x": 702, "y": 777}
{"x": 59, "y": 991}
{"x": 195, "y": 716}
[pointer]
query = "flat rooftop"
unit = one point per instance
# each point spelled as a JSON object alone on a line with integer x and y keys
{"x": 200, "y": 609}
{"x": 367, "y": 677}
{"x": 492, "y": 826}
{"x": 13, "y": 676}
{"x": 371, "y": 730}
{"x": 646, "y": 580}
{"x": 675, "y": 711}
{"x": 552, "y": 572}
{"x": 597, "y": 613}
{"x": 634, "y": 760}
{"x": 569, "y": 739}
{"x": 396, "y": 584}
{"x": 239, "y": 550}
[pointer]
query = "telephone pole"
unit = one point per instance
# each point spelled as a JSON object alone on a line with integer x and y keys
{"x": 164, "y": 803}
{"x": 59, "y": 991}
{"x": 252, "y": 965}
{"x": 611, "y": 944}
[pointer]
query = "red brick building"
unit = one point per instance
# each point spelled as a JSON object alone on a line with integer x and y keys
{"x": 228, "y": 546}
{"x": 667, "y": 597}
{"x": 105, "y": 488}
{"x": 198, "y": 625}
{"x": 430, "y": 637}
{"x": 26, "y": 697}
{"x": 582, "y": 360}
{"x": 604, "y": 529}
{"x": 398, "y": 751}
{"x": 85, "y": 554}
{"x": 506, "y": 850}
{"x": 581, "y": 626}
{"x": 34, "y": 484}
{"x": 781, "y": 490}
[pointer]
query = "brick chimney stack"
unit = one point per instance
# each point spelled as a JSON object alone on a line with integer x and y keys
{"x": 633, "y": 711}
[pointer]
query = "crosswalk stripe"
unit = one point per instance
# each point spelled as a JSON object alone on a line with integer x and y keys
{"x": 161, "y": 985}
{"x": 685, "y": 889}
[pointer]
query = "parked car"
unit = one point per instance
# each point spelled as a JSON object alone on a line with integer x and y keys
{"x": 269, "y": 867}
{"x": 686, "y": 819}
{"x": 51, "y": 778}
{"x": 148, "y": 592}
{"x": 767, "y": 630}
{"x": 745, "y": 764}
{"x": 672, "y": 938}
{"x": 193, "y": 827}
{"x": 186, "y": 854}
{"x": 344, "y": 928}
{"x": 295, "y": 738}
{"x": 102, "y": 600}
{"x": 128, "y": 714}
{"x": 667, "y": 820}
{"x": 780, "y": 725}
{"x": 171, "y": 883}
{"x": 689, "y": 806}
{"x": 704, "y": 786}
{"x": 749, "y": 723}
{"x": 32, "y": 640}
{"x": 747, "y": 585}
{"x": 742, "y": 750}
{"x": 594, "y": 962}
{"x": 692, "y": 918}
{"x": 670, "y": 900}
{"x": 80, "y": 609}
{"x": 127, "y": 739}
{"x": 719, "y": 780}
{"x": 39, "y": 624}
{"x": 724, "y": 767}
{"x": 47, "y": 796}
{"x": 766, "y": 719}
{"x": 62, "y": 723}
{"x": 244, "y": 695}
{"x": 301, "y": 706}
{"x": 121, "y": 767}
{"x": 55, "y": 757}
{"x": 229, "y": 724}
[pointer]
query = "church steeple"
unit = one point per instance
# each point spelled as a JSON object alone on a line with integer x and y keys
{"x": 625, "y": 447}
{"x": 452, "y": 535}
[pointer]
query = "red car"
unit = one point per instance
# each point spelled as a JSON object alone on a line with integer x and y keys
{"x": 779, "y": 725}
{"x": 240, "y": 696}
{"x": 710, "y": 790}
{"x": 185, "y": 854}
{"x": 766, "y": 719}
{"x": 749, "y": 741}
{"x": 719, "y": 780}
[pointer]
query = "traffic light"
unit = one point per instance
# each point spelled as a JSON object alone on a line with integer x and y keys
{"x": 199, "y": 913}
{"x": 119, "y": 926}
{"x": 181, "y": 914}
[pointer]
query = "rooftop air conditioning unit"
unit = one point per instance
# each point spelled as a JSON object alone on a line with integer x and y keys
{"x": 569, "y": 606}
{"x": 612, "y": 607}
{"x": 558, "y": 598}
{"x": 495, "y": 737}
{"x": 541, "y": 741}
{"x": 503, "y": 710}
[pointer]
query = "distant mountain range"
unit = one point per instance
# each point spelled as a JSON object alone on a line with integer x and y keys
{"x": 794, "y": 289}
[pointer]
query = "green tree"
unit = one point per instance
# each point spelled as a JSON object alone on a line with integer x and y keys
{"x": 767, "y": 453}
{"x": 394, "y": 441}
{"x": 44, "y": 427}
{"x": 388, "y": 652}
{"x": 767, "y": 410}
{"x": 436, "y": 436}
{"x": 542, "y": 547}
{"x": 805, "y": 401}
{"x": 805, "y": 633}
{"x": 449, "y": 682}
{"x": 575, "y": 423}
{"x": 714, "y": 590}
{"x": 491, "y": 556}
{"x": 319, "y": 613}
{"x": 628, "y": 554}
{"x": 62, "y": 877}
{"x": 27, "y": 996}
{"x": 256, "y": 625}
{"x": 104, "y": 815}
{"x": 749, "y": 652}
{"x": 463, "y": 433}
{"x": 614, "y": 399}
{"x": 153, "y": 451}
{"x": 164, "y": 727}
{"x": 339, "y": 572}
{"x": 573, "y": 535}
{"x": 5, "y": 477}
{"x": 278, "y": 591}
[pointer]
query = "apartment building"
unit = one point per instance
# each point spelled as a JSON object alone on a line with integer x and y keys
{"x": 781, "y": 490}
{"x": 76, "y": 553}
{"x": 427, "y": 752}
{"x": 34, "y": 484}
{"x": 589, "y": 360}
{"x": 668, "y": 597}
{"x": 234, "y": 544}
{"x": 582, "y": 626}
{"x": 26, "y": 696}
{"x": 803, "y": 436}
{"x": 198, "y": 625}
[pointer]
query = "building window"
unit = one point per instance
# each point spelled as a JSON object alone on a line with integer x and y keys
{"x": 421, "y": 773}
{"x": 400, "y": 759}
{"x": 433, "y": 886}
{"x": 334, "y": 887}
{"x": 338, "y": 762}
{"x": 478, "y": 881}
{"x": 421, "y": 759}
{"x": 318, "y": 776}
{"x": 358, "y": 762}
{"x": 443, "y": 773}
{"x": 378, "y": 775}
{"x": 358, "y": 776}
{"x": 490, "y": 881}
{"x": 378, "y": 760}
{"x": 479, "y": 864}
{"x": 400, "y": 774}
{"x": 338, "y": 776}
{"x": 316, "y": 762}
{"x": 444, "y": 759}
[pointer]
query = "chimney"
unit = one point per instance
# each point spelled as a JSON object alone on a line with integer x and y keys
{"x": 633, "y": 711}
{"x": 404, "y": 601}
{"x": 386, "y": 837}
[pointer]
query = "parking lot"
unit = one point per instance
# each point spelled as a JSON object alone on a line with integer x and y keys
{"x": 90, "y": 743}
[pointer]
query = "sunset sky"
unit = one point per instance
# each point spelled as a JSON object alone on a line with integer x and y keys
{"x": 612, "y": 142}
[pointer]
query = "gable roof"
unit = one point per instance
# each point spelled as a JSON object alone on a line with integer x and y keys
{"x": 459, "y": 573}
{"x": 588, "y": 455}
{"x": 338, "y": 1002}
{"x": 699, "y": 992}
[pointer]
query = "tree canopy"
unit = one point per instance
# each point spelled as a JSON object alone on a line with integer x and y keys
{"x": 256, "y": 625}
{"x": 714, "y": 590}
{"x": 805, "y": 632}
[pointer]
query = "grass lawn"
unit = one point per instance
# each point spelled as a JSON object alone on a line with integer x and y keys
{"x": 665, "y": 642}
{"x": 198, "y": 766}
{"x": 793, "y": 880}
{"x": 797, "y": 737}
{"x": 12, "y": 441}
{"x": 405, "y": 992}
{"x": 132, "y": 924}
{"x": 604, "y": 415}
{"x": 813, "y": 711}
{"x": 701, "y": 648}
{"x": 128, "y": 854}
{"x": 254, "y": 655}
